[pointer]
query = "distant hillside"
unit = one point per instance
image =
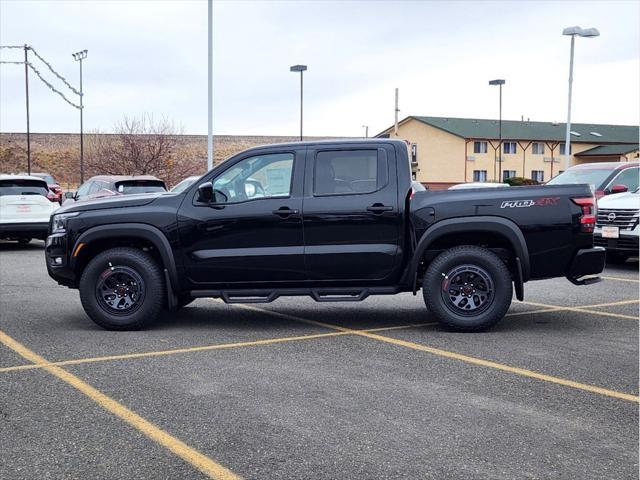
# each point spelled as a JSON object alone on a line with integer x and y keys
{"x": 59, "y": 153}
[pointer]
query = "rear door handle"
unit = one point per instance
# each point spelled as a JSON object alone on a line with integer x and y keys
{"x": 285, "y": 212}
{"x": 378, "y": 208}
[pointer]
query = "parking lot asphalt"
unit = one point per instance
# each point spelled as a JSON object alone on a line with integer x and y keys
{"x": 299, "y": 390}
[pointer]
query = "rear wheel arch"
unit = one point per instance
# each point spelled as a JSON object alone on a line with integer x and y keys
{"x": 142, "y": 236}
{"x": 495, "y": 232}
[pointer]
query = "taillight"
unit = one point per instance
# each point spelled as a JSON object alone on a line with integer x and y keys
{"x": 589, "y": 212}
{"x": 52, "y": 197}
{"x": 599, "y": 194}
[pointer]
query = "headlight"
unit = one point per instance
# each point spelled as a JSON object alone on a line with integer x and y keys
{"x": 59, "y": 222}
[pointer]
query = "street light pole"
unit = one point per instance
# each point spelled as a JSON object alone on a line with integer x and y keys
{"x": 499, "y": 82}
{"x": 366, "y": 131}
{"x": 572, "y": 32}
{"x": 79, "y": 57}
{"x": 301, "y": 69}
{"x": 210, "y": 85}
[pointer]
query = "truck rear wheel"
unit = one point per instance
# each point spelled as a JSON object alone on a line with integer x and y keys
{"x": 467, "y": 288}
{"x": 122, "y": 289}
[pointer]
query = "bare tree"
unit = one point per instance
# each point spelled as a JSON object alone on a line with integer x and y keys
{"x": 140, "y": 146}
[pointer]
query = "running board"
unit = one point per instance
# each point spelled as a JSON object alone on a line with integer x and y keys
{"x": 333, "y": 294}
{"x": 584, "y": 280}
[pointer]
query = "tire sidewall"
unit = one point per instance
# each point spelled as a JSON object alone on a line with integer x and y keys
{"x": 477, "y": 256}
{"x": 144, "y": 265}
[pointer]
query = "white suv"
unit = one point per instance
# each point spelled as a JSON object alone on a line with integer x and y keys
{"x": 617, "y": 227}
{"x": 24, "y": 208}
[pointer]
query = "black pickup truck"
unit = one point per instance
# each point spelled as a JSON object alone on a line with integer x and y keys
{"x": 337, "y": 221}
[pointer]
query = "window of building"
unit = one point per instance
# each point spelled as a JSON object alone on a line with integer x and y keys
{"x": 506, "y": 174}
{"x": 349, "y": 172}
{"x": 479, "y": 147}
{"x": 479, "y": 175}
{"x": 562, "y": 149}
{"x": 537, "y": 175}
{"x": 509, "y": 147}
{"x": 537, "y": 148}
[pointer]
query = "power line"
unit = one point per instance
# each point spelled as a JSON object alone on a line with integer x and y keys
{"x": 64, "y": 80}
{"x": 51, "y": 87}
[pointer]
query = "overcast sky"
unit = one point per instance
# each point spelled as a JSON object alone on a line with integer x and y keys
{"x": 151, "y": 57}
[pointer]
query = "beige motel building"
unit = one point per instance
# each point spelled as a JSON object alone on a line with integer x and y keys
{"x": 446, "y": 151}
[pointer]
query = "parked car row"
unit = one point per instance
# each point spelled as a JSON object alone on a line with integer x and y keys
{"x": 25, "y": 208}
{"x": 113, "y": 185}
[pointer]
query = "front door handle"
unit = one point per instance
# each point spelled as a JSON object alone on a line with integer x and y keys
{"x": 378, "y": 208}
{"x": 285, "y": 212}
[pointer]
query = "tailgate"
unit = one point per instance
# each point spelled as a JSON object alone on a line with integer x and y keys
{"x": 27, "y": 208}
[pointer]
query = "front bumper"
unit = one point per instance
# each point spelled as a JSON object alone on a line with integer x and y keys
{"x": 57, "y": 259}
{"x": 24, "y": 229}
{"x": 624, "y": 243}
{"x": 588, "y": 261}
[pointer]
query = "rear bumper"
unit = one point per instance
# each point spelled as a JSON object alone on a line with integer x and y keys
{"x": 588, "y": 261}
{"x": 24, "y": 229}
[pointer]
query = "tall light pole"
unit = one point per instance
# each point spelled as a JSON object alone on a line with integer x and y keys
{"x": 572, "y": 32}
{"x": 301, "y": 69}
{"x": 26, "y": 96}
{"x": 366, "y": 131}
{"x": 210, "y": 85}
{"x": 79, "y": 57}
{"x": 499, "y": 82}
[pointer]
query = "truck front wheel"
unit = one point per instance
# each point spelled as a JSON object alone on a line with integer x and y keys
{"x": 467, "y": 288}
{"x": 122, "y": 289}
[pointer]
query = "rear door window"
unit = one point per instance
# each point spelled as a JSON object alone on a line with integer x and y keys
{"x": 349, "y": 172}
{"x": 128, "y": 187}
{"x": 23, "y": 187}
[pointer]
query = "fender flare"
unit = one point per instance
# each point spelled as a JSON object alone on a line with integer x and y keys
{"x": 492, "y": 224}
{"x": 138, "y": 230}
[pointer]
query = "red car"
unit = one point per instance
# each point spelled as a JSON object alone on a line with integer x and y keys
{"x": 55, "y": 191}
{"x": 605, "y": 177}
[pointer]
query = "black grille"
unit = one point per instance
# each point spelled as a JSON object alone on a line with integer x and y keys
{"x": 624, "y": 218}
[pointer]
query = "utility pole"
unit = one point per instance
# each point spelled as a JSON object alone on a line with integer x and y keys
{"x": 395, "y": 116}
{"x": 26, "y": 89}
{"x": 79, "y": 56}
{"x": 210, "y": 85}
{"x": 366, "y": 131}
{"x": 499, "y": 82}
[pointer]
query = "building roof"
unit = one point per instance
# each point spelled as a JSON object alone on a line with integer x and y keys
{"x": 526, "y": 130}
{"x": 607, "y": 150}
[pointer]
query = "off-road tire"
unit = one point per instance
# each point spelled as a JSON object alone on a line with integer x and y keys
{"x": 436, "y": 291}
{"x": 145, "y": 267}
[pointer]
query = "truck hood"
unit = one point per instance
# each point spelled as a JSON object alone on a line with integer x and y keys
{"x": 115, "y": 201}
{"x": 620, "y": 200}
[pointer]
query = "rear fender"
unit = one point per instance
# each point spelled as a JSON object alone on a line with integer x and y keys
{"x": 486, "y": 224}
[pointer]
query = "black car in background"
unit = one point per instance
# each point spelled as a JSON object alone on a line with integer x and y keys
{"x": 110, "y": 185}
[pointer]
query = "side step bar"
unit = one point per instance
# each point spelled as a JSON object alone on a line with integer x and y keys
{"x": 334, "y": 294}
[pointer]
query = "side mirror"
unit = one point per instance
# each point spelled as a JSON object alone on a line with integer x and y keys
{"x": 619, "y": 189}
{"x": 69, "y": 195}
{"x": 207, "y": 194}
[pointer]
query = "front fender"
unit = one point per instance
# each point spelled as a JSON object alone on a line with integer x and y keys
{"x": 139, "y": 230}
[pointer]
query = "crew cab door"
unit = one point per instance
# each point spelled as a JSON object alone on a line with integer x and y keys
{"x": 351, "y": 217}
{"x": 252, "y": 233}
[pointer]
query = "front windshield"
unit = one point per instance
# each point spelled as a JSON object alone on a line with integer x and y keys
{"x": 590, "y": 176}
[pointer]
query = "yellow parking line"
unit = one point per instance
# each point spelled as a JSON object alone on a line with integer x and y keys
{"x": 583, "y": 310}
{"x": 622, "y": 279}
{"x": 464, "y": 358}
{"x": 610, "y": 304}
{"x": 198, "y": 460}
{"x": 529, "y": 312}
{"x": 218, "y": 346}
